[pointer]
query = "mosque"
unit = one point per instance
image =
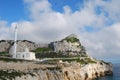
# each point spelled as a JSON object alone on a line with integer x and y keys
{"x": 25, "y": 54}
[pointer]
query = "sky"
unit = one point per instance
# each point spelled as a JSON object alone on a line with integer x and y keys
{"x": 95, "y": 22}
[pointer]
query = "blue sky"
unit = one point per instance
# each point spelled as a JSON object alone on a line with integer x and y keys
{"x": 57, "y": 5}
{"x": 95, "y": 22}
{"x": 12, "y": 10}
{"x": 15, "y": 10}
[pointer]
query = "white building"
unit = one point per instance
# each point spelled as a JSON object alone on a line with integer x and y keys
{"x": 22, "y": 54}
{"x": 25, "y": 55}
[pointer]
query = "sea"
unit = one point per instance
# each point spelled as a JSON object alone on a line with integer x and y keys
{"x": 116, "y": 73}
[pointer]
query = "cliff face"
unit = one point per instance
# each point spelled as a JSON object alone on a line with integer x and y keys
{"x": 69, "y": 46}
{"x": 72, "y": 72}
{"x": 6, "y": 45}
{"x": 28, "y": 70}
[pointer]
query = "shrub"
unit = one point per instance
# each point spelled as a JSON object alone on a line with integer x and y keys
{"x": 71, "y": 39}
{"x": 12, "y": 59}
{"x": 2, "y": 53}
{"x": 11, "y": 74}
{"x": 44, "y": 49}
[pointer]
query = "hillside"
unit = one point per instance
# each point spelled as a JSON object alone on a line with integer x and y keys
{"x": 59, "y": 60}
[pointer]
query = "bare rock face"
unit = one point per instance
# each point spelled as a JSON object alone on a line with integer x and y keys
{"x": 26, "y": 70}
{"x": 6, "y": 45}
{"x": 69, "y": 46}
{"x": 72, "y": 72}
{"x": 96, "y": 70}
{"x": 21, "y": 46}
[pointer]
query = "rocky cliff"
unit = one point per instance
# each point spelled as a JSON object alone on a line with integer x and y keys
{"x": 68, "y": 60}
{"x": 75, "y": 72}
{"x": 6, "y": 45}
{"x": 27, "y": 70}
{"x": 70, "y": 45}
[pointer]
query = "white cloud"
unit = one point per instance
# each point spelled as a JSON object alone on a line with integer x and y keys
{"x": 4, "y": 30}
{"x": 48, "y": 25}
{"x": 104, "y": 43}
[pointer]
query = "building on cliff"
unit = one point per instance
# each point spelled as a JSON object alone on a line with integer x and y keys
{"x": 24, "y": 54}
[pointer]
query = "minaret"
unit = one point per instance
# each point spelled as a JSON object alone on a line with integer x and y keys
{"x": 15, "y": 42}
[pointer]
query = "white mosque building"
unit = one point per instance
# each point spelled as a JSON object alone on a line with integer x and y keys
{"x": 25, "y": 54}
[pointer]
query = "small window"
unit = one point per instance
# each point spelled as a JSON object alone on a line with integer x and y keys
{"x": 23, "y": 56}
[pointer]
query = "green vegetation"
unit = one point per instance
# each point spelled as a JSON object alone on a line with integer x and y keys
{"x": 83, "y": 55}
{"x": 88, "y": 60}
{"x": 71, "y": 39}
{"x": 77, "y": 59}
{"x": 81, "y": 61}
{"x": 50, "y": 55}
{"x": 11, "y": 74}
{"x": 4, "y": 54}
{"x": 54, "y": 68}
{"x": 44, "y": 49}
{"x": 11, "y": 59}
